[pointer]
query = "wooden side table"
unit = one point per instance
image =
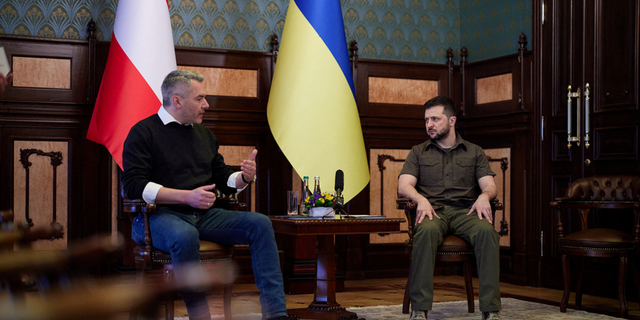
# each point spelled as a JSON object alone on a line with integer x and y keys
{"x": 324, "y": 305}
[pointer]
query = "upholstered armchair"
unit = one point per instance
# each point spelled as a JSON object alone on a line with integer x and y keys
{"x": 150, "y": 260}
{"x": 593, "y": 193}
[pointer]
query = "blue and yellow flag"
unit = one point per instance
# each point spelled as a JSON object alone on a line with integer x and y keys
{"x": 312, "y": 108}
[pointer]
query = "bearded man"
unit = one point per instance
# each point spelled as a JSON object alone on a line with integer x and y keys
{"x": 450, "y": 181}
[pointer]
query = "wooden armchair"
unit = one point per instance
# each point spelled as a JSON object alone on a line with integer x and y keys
{"x": 81, "y": 298}
{"x": 452, "y": 249}
{"x": 604, "y": 192}
{"x": 150, "y": 260}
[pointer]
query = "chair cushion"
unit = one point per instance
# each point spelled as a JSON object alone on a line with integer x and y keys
{"x": 208, "y": 251}
{"x": 453, "y": 243}
{"x": 211, "y": 246}
{"x": 599, "y": 238}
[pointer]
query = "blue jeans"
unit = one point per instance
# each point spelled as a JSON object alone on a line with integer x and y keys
{"x": 180, "y": 234}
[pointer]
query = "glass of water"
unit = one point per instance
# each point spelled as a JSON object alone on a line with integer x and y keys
{"x": 292, "y": 202}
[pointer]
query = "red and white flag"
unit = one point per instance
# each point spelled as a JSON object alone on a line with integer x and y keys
{"x": 140, "y": 56}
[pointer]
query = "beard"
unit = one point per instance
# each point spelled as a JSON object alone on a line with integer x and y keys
{"x": 441, "y": 135}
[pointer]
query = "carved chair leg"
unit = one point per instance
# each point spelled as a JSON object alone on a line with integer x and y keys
{"x": 168, "y": 278}
{"x": 580, "y": 282}
{"x": 567, "y": 283}
{"x": 468, "y": 283}
{"x": 227, "y": 302}
{"x": 140, "y": 274}
{"x": 622, "y": 286}
{"x": 636, "y": 267}
{"x": 406, "y": 299}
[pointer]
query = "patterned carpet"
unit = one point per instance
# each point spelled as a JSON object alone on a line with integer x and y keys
{"x": 512, "y": 309}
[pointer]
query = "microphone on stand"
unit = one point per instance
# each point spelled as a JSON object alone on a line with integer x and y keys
{"x": 338, "y": 204}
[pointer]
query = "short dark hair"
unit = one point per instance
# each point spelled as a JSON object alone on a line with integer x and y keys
{"x": 446, "y": 102}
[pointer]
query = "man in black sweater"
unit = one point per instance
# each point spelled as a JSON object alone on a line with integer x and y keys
{"x": 172, "y": 160}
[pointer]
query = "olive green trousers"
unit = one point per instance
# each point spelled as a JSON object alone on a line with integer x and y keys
{"x": 480, "y": 234}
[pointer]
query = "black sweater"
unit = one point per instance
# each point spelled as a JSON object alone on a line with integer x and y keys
{"x": 173, "y": 155}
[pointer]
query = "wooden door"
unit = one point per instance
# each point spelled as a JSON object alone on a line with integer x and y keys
{"x": 592, "y": 46}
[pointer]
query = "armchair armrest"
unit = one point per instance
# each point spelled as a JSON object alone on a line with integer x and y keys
{"x": 409, "y": 208}
{"x": 135, "y": 206}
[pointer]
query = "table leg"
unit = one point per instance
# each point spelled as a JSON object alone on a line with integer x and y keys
{"x": 325, "y": 306}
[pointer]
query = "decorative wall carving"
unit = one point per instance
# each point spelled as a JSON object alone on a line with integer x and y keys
{"x": 40, "y": 187}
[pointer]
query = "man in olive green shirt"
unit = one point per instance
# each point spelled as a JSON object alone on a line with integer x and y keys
{"x": 450, "y": 181}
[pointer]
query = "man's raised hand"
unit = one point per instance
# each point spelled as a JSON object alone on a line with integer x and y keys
{"x": 248, "y": 166}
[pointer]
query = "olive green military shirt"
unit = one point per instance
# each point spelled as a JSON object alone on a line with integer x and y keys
{"x": 448, "y": 177}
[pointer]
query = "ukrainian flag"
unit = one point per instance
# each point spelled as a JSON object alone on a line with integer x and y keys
{"x": 312, "y": 108}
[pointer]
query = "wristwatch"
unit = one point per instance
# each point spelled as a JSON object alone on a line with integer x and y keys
{"x": 245, "y": 181}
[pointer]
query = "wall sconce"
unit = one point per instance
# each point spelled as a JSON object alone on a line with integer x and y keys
{"x": 576, "y": 138}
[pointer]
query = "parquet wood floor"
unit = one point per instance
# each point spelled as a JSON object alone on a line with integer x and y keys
{"x": 361, "y": 293}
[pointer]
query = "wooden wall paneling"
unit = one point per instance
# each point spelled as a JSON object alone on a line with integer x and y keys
{"x": 539, "y": 74}
{"x": 85, "y": 216}
{"x": 54, "y": 52}
{"x": 524, "y": 94}
{"x": 500, "y": 125}
{"x": 353, "y": 58}
{"x": 615, "y": 143}
{"x": 396, "y": 70}
{"x": 383, "y": 190}
{"x": 496, "y": 88}
{"x": 450, "y": 68}
{"x": 92, "y": 90}
{"x": 242, "y": 60}
{"x": 463, "y": 80}
{"x": 401, "y": 91}
{"x": 51, "y": 114}
{"x": 229, "y": 82}
{"x": 40, "y": 186}
{"x": 573, "y": 47}
{"x": 476, "y": 72}
{"x": 559, "y": 151}
{"x": 616, "y": 82}
{"x": 499, "y": 160}
{"x": 44, "y": 73}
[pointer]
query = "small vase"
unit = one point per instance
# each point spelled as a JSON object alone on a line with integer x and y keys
{"x": 321, "y": 212}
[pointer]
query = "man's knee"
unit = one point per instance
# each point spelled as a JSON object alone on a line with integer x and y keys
{"x": 185, "y": 239}
{"x": 427, "y": 230}
{"x": 258, "y": 223}
{"x": 486, "y": 232}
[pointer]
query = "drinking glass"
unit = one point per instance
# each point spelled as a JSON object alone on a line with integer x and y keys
{"x": 292, "y": 202}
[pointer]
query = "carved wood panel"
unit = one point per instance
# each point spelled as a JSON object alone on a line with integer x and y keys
{"x": 40, "y": 183}
{"x": 385, "y": 166}
{"x": 615, "y": 143}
